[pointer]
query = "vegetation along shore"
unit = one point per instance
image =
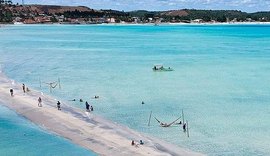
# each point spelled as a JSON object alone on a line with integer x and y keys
{"x": 48, "y": 14}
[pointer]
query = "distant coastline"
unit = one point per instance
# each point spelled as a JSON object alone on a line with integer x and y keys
{"x": 50, "y": 14}
{"x": 149, "y": 24}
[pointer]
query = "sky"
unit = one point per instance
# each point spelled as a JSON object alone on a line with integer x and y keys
{"x": 159, "y": 5}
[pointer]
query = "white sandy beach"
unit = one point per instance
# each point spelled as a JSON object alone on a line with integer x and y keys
{"x": 90, "y": 131}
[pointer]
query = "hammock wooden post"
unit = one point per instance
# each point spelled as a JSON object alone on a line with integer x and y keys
{"x": 149, "y": 118}
{"x": 187, "y": 130}
{"x": 39, "y": 82}
{"x": 59, "y": 83}
{"x": 183, "y": 119}
{"x": 50, "y": 87}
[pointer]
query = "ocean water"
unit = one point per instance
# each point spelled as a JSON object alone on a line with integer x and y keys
{"x": 221, "y": 78}
{"x": 21, "y": 137}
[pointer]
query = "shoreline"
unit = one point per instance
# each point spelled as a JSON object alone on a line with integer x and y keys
{"x": 90, "y": 131}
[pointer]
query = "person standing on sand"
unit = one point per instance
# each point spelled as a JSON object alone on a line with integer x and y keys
{"x": 11, "y": 92}
{"x": 23, "y": 87}
{"x": 39, "y": 102}
{"x": 58, "y": 105}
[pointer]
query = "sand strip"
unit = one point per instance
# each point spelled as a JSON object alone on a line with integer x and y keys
{"x": 90, "y": 131}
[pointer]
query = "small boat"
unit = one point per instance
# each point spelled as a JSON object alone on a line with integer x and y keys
{"x": 161, "y": 68}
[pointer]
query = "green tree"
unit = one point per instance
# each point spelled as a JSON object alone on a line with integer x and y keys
{"x": 222, "y": 18}
{"x": 53, "y": 19}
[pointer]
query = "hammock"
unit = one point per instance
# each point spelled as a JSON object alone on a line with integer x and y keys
{"x": 165, "y": 124}
{"x": 54, "y": 85}
{"x": 51, "y": 84}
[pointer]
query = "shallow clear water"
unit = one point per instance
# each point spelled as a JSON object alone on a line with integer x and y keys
{"x": 20, "y": 137}
{"x": 221, "y": 77}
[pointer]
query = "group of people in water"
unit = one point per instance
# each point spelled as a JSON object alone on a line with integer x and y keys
{"x": 88, "y": 107}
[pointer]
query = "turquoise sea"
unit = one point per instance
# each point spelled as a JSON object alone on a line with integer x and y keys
{"x": 21, "y": 137}
{"x": 221, "y": 77}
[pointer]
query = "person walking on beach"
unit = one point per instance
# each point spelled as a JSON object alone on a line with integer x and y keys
{"x": 11, "y": 92}
{"x": 58, "y": 105}
{"x": 39, "y": 102}
{"x": 23, "y": 87}
{"x": 87, "y": 106}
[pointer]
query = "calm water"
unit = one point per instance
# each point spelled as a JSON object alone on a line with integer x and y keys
{"x": 20, "y": 137}
{"x": 221, "y": 78}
